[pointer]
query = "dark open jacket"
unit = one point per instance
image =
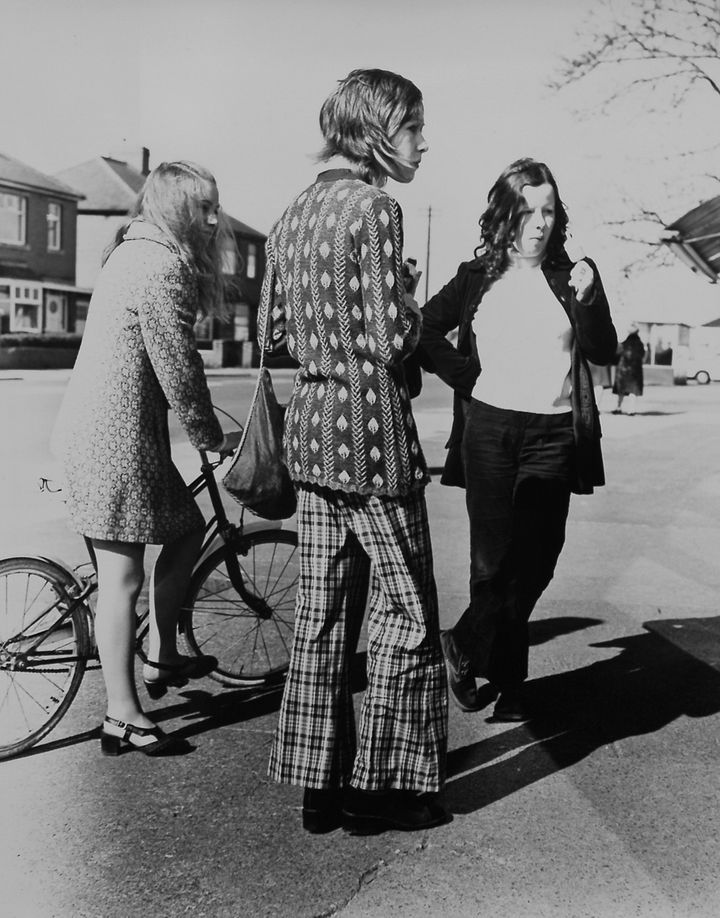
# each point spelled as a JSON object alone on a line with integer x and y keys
{"x": 594, "y": 339}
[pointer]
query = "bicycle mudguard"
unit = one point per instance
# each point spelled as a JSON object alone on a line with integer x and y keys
{"x": 61, "y": 568}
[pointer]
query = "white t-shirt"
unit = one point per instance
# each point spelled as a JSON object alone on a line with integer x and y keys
{"x": 523, "y": 337}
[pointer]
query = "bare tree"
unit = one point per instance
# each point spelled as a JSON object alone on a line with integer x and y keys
{"x": 663, "y": 55}
{"x": 678, "y": 40}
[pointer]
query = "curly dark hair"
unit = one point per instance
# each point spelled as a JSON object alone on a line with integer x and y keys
{"x": 498, "y": 222}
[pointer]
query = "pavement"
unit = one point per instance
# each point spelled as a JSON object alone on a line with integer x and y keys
{"x": 605, "y": 804}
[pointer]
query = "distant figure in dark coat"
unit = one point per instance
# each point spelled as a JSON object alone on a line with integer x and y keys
{"x": 629, "y": 370}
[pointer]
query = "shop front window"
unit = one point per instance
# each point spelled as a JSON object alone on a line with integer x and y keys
{"x": 26, "y": 318}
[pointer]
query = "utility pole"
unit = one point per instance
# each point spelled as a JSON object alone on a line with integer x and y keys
{"x": 427, "y": 256}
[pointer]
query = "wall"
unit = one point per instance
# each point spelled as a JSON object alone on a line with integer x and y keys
{"x": 53, "y": 266}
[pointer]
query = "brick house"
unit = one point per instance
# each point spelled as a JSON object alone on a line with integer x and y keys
{"x": 38, "y": 216}
{"x": 110, "y": 187}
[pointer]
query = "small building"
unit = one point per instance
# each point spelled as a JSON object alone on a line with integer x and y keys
{"x": 38, "y": 216}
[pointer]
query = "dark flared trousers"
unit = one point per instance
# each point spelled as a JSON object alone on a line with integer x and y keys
{"x": 518, "y": 468}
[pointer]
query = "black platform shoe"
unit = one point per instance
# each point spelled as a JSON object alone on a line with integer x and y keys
{"x": 178, "y": 674}
{"x": 322, "y": 810}
{"x": 371, "y": 812}
{"x": 112, "y": 742}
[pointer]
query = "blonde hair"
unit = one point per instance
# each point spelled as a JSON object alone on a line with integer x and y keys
{"x": 361, "y": 116}
{"x": 168, "y": 199}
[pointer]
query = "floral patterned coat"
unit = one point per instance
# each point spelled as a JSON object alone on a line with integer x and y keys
{"x": 138, "y": 357}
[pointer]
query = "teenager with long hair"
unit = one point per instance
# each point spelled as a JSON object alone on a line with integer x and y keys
{"x": 334, "y": 291}
{"x": 138, "y": 356}
{"x": 526, "y": 430}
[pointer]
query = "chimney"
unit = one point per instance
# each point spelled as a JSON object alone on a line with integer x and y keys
{"x": 145, "y": 161}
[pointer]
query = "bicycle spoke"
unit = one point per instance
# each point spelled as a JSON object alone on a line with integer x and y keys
{"x": 252, "y": 642}
{"x": 43, "y": 650}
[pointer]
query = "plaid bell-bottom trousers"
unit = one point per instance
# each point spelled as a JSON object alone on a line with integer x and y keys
{"x": 358, "y": 552}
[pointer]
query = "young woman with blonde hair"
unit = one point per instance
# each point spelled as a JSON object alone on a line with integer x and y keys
{"x": 138, "y": 357}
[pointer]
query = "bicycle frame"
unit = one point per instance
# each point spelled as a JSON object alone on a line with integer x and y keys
{"x": 219, "y": 527}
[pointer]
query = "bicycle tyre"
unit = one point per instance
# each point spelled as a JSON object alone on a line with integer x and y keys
{"x": 252, "y": 648}
{"x": 37, "y": 687}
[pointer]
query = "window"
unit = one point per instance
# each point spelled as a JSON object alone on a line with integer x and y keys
{"x": 229, "y": 259}
{"x": 13, "y": 219}
{"x": 54, "y": 225}
{"x": 251, "y": 267}
{"x": 26, "y": 309}
{"x": 26, "y": 318}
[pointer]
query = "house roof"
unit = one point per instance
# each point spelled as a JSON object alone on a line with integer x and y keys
{"x": 243, "y": 229}
{"x": 14, "y": 174}
{"x": 110, "y": 185}
{"x": 695, "y": 238}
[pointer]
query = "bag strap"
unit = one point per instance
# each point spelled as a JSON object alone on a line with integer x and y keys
{"x": 253, "y": 402}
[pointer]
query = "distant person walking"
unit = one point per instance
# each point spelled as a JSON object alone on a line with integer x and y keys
{"x": 629, "y": 377}
{"x": 525, "y": 428}
{"x": 138, "y": 357}
{"x": 334, "y": 290}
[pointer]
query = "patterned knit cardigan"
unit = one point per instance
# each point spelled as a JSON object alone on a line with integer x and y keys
{"x": 333, "y": 289}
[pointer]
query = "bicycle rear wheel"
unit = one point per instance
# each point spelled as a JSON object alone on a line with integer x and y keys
{"x": 43, "y": 650}
{"x": 250, "y": 634}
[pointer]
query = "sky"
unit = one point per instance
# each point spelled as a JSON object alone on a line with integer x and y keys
{"x": 237, "y": 85}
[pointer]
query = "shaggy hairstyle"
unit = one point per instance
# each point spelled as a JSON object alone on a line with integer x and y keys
{"x": 499, "y": 221}
{"x": 358, "y": 119}
{"x": 169, "y": 200}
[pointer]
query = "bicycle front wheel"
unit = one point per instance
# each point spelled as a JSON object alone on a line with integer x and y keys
{"x": 250, "y": 634}
{"x": 44, "y": 646}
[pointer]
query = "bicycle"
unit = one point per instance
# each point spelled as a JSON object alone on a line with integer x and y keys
{"x": 239, "y": 608}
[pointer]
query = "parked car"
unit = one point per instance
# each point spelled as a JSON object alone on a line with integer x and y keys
{"x": 703, "y": 369}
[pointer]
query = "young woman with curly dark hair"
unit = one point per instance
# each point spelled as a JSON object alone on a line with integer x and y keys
{"x": 526, "y": 430}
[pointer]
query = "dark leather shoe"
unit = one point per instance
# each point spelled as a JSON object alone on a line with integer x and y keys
{"x": 511, "y": 707}
{"x": 178, "y": 674}
{"x": 322, "y": 810}
{"x": 463, "y": 689}
{"x": 372, "y": 812}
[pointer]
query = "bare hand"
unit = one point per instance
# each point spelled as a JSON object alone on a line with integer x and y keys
{"x": 412, "y": 305}
{"x": 411, "y": 276}
{"x": 230, "y": 443}
{"x": 582, "y": 279}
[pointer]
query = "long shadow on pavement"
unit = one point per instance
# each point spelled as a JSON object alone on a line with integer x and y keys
{"x": 641, "y": 690}
{"x": 203, "y": 711}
